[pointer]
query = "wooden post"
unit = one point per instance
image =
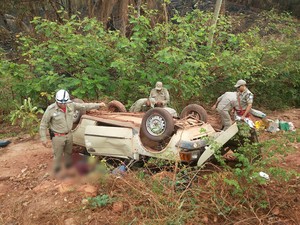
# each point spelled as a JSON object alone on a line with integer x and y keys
{"x": 139, "y": 3}
{"x": 214, "y": 22}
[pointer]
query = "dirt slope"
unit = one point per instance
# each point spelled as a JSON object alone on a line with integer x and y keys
{"x": 30, "y": 195}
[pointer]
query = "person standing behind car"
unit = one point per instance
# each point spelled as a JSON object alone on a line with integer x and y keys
{"x": 224, "y": 105}
{"x": 244, "y": 99}
{"x": 159, "y": 96}
{"x": 58, "y": 117}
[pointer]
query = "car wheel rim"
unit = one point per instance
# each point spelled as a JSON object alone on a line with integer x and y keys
{"x": 156, "y": 125}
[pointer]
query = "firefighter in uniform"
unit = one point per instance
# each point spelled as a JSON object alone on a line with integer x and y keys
{"x": 244, "y": 99}
{"x": 224, "y": 105}
{"x": 159, "y": 96}
{"x": 58, "y": 118}
{"x": 143, "y": 104}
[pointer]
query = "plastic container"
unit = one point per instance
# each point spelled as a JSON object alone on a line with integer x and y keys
{"x": 249, "y": 122}
{"x": 260, "y": 125}
{"x": 264, "y": 175}
{"x": 257, "y": 113}
{"x": 291, "y": 126}
{"x": 284, "y": 126}
{"x": 119, "y": 170}
{"x": 273, "y": 127}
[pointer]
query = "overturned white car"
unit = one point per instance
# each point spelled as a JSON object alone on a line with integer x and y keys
{"x": 155, "y": 133}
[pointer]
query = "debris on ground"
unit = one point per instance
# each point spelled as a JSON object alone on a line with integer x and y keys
{"x": 119, "y": 171}
{"x": 264, "y": 175}
{"x": 4, "y": 143}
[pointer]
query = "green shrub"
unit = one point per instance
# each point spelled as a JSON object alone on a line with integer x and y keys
{"x": 99, "y": 201}
{"x": 27, "y": 114}
{"x": 92, "y": 63}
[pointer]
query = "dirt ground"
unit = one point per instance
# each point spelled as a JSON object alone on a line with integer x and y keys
{"x": 29, "y": 194}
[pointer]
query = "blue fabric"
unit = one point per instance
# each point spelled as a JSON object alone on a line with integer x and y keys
{"x": 4, "y": 143}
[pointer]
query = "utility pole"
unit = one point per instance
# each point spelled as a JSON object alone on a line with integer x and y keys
{"x": 214, "y": 22}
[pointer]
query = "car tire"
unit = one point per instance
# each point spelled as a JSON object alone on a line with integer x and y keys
{"x": 78, "y": 113}
{"x": 195, "y": 110}
{"x": 160, "y": 117}
{"x": 116, "y": 106}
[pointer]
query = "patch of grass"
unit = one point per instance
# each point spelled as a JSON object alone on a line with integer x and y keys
{"x": 8, "y": 131}
{"x": 99, "y": 201}
{"x": 8, "y": 135}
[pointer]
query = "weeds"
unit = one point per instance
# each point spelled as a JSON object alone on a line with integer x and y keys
{"x": 99, "y": 201}
{"x": 214, "y": 194}
{"x": 28, "y": 115}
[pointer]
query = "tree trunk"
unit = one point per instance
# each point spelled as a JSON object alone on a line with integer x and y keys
{"x": 214, "y": 22}
{"x": 120, "y": 15}
{"x": 139, "y": 8}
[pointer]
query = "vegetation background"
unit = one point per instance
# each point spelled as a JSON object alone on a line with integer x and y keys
{"x": 119, "y": 49}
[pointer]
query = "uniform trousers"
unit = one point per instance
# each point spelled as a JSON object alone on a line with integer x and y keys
{"x": 62, "y": 146}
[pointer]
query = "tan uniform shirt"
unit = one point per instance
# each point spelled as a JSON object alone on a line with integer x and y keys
{"x": 227, "y": 101}
{"x": 159, "y": 96}
{"x": 244, "y": 99}
{"x": 60, "y": 122}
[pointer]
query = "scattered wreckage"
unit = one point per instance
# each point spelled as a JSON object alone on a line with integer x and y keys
{"x": 155, "y": 133}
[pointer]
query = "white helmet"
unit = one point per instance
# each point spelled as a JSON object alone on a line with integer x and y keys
{"x": 62, "y": 96}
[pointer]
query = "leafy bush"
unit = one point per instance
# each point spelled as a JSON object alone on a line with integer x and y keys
{"x": 91, "y": 62}
{"x": 28, "y": 115}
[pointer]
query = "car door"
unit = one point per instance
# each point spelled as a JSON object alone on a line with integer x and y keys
{"x": 109, "y": 141}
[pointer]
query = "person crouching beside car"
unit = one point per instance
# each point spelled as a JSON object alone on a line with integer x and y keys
{"x": 224, "y": 105}
{"x": 58, "y": 118}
